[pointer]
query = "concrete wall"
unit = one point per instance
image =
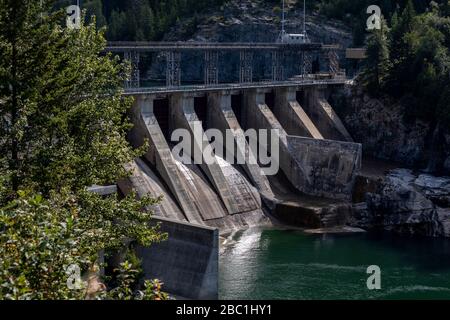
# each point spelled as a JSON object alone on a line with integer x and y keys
{"x": 315, "y": 167}
{"x": 187, "y": 262}
{"x": 331, "y": 167}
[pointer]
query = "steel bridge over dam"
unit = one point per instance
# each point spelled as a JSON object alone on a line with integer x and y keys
{"x": 174, "y": 51}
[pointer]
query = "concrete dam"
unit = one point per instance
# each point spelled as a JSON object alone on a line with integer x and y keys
{"x": 317, "y": 156}
{"x": 316, "y": 165}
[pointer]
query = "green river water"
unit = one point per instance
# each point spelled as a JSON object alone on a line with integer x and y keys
{"x": 286, "y": 264}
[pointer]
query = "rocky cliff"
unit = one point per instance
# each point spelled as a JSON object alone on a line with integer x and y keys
{"x": 258, "y": 21}
{"x": 380, "y": 125}
{"x": 247, "y": 21}
{"x": 404, "y": 200}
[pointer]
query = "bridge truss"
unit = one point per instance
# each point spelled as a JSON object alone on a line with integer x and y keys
{"x": 173, "y": 51}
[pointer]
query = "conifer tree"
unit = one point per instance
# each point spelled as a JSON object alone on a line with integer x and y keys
{"x": 62, "y": 130}
{"x": 377, "y": 62}
{"x": 400, "y": 51}
{"x": 95, "y": 8}
{"x": 61, "y": 102}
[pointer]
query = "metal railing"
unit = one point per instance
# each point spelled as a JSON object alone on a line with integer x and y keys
{"x": 236, "y": 86}
{"x": 122, "y": 46}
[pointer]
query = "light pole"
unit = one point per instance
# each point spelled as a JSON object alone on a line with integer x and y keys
{"x": 304, "y": 17}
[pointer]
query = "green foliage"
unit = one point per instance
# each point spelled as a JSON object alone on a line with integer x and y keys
{"x": 276, "y": 11}
{"x": 139, "y": 20}
{"x": 126, "y": 281}
{"x": 95, "y": 8}
{"x": 62, "y": 129}
{"x": 41, "y": 237}
{"x": 152, "y": 290}
{"x": 353, "y": 12}
{"x": 136, "y": 20}
{"x": 443, "y": 109}
{"x": 127, "y": 288}
{"x": 377, "y": 62}
{"x": 62, "y": 107}
{"x": 415, "y": 65}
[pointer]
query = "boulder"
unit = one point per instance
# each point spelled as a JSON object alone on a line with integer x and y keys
{"x": 406, "y": 203}
{"x": 437, "y": 189}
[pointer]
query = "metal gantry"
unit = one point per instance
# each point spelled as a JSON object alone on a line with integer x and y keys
{"x": 173, "y": 68}
{"x": 172, "y": 52}
{"x": 277, "y": 65}
{"x": 307, "y": 62}
{"x": 211, "y": 67}
{"x": 333, "y": 62}
{"x": 134, "y": 79}
{"x": 246, "y": 66}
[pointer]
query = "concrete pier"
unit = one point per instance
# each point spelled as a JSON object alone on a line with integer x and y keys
{"x": 324, "y": 116}
{"x": 292, "y": 116}
{"x": 221, "y": 116}
{"x": 187, "y": 186}
{"x": 236, "y": 194}
{"x": 146, "y": 183}
{"x": 259, "y": 116}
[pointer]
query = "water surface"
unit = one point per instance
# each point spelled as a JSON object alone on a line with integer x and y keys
{"x": 287, "y": 264}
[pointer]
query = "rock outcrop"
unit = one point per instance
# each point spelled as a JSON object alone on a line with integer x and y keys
{"x": 247, "y": 21}
{"x": 380, "y": 125}
{"x": 407, "y": 203}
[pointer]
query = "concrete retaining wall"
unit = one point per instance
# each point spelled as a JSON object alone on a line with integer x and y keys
{"x": 331, "y": 167}
{"x": 187, "y": 262}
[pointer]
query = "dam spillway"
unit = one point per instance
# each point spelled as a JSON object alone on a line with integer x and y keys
{"x": 317, "y": 158}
